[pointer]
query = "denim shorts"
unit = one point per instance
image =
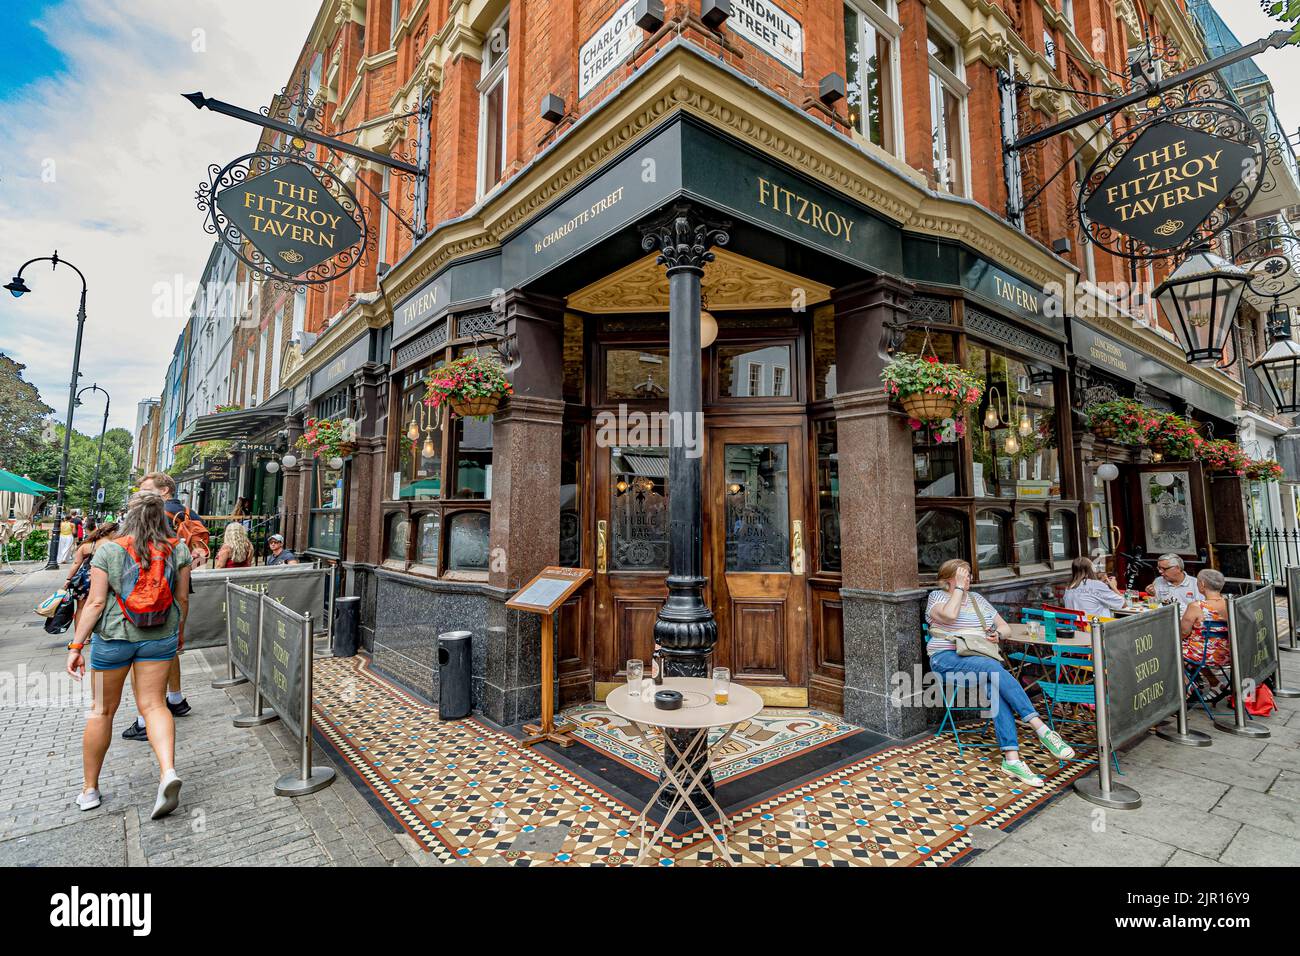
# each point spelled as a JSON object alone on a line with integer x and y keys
{"x": 113, "y": 655}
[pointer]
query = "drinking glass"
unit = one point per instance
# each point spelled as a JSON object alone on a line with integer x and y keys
{"x": 635, "y": 673}
{"x": 721, "y": 686}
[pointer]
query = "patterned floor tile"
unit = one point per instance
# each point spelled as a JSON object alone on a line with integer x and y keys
{"x": 468, "y": 792}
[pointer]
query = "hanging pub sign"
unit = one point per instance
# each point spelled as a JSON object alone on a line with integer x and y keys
{"x": 286, "y": 216}
{"x": 1174, "y": 181}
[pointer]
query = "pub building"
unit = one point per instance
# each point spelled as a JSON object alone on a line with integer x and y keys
{"x": 706, "y": 241}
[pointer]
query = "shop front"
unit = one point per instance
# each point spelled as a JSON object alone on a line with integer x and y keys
{"x": 1140, "y": 505}
{"x": 736, "y": 286}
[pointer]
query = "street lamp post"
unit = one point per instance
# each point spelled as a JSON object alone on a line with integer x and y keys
{"x": 99, "y": 457}
{"x": 18, "y": 287}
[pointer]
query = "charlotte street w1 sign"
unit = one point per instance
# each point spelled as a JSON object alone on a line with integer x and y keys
{"x": 291, "y": 217}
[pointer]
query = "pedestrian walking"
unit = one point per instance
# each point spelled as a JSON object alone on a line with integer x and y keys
{"x": 136, "y": 609}
{"x": 67, "y": 540}
{"x": 78, "y": 582}
{"x": 182, "y": 524}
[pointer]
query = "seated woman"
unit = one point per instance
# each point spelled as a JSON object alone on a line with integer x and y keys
{"x": 1089, "y": 592}
{"x": 953, "y": 611}
{"x": 1212, "y": 607}
{"x": 236, "y": 550}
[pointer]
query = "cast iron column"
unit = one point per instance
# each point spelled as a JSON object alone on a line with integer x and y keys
{"x": 685, "y": 631}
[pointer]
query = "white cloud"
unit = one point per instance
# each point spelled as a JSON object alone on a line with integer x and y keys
{"x": 1249, "y": 22}
{"x": 127, "y": 153}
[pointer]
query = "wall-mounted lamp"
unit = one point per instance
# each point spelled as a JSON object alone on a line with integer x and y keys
{"x": 714, "y": 13}
{"x": 1000, "y": 417}
{"x": 831, "y": 89}
{"x": 649, "y": 15}
{"x": 1108, "y": 472}
{"x": 552, "y": 108}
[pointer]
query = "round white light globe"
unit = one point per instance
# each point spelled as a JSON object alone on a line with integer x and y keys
{"x": 336, "y": 462}
{"x": 289, "y": 461}
{"x": 1165, "y": 479}
{"x": 272, "y": 467}
{"x": 1108, "y": 472}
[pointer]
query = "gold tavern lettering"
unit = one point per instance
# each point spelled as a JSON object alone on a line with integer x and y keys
{"x": 1016, "y": 295}
{"x": 789, "y": 203}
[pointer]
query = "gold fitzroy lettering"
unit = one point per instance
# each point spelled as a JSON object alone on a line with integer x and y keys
{"x": 1168, "y": 178}
{"x": 789, "y": 203}
{"x": 285, "y": 217}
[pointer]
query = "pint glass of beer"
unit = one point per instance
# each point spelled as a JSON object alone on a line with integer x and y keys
{"x": 721, "y": 686}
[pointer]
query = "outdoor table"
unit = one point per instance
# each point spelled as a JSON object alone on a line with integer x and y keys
{"x": 697, "y": 713}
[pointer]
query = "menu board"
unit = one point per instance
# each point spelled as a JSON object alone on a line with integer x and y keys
{"x": 1254, "y": 621}
{"x": 283, "y": 668}
{"x": 1143, "y": 656}
{"x": 242, "y": 606}
{"x": 551, "y": 588}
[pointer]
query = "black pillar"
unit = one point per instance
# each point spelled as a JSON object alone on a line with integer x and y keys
{"x": 685, "y": 631}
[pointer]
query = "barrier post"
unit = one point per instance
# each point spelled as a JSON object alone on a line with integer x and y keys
{"x": 1240, "y": 726}
{"x": 1179, "y": 734}
{"x": 1099, "y": 788}
{"x": 308, "y": 779}
{"x": 231, "y": 679}
{"x": 259, "y": 715}
{"x": 1292, "y": 594}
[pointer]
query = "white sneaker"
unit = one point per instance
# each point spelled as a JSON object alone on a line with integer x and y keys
{"x": 168, "y": 795}
{"x": 88, "y": 800}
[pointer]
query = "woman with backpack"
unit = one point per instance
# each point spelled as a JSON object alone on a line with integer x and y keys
{"x": 139, "y": 596}
{"x": 78, "y": 583}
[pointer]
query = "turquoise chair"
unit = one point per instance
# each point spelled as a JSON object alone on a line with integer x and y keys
{"x": 948, "y": 684}
{"x": 1061, "y": 659}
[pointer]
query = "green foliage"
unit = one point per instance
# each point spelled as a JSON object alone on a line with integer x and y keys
{"x": 908, "y": 374}
{"x": 21, "y": 414}
{"x": 1288, "y": 11}
{"x": 1132, "y": 421}
{"x": 36, "y": 546}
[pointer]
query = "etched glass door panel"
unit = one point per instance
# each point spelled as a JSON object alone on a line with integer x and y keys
{"x": 638, "y": 509}
{"x": 1170, "y": 522}
{"x": 758, "y": 507}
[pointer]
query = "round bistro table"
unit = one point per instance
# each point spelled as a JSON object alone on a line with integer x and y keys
{"x": 699, "y": 714}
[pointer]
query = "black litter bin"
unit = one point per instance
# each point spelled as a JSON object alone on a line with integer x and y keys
{"x": 347, "y": 626}
{"x": 453, "y": 675}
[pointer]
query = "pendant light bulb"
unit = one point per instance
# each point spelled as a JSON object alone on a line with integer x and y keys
{"x": 1012, "y": 444}
{"x": 413, "y": 430}
{"x": 428, "y": 450}
{"x": 990, "y": 418}
{"x": 1026, "y": 426}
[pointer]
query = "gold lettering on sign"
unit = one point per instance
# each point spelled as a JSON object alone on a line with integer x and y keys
{"x": 1168, "y": 178}
{"x": 597, "y": 208}
{"x": 1108, "y": 353}
{"x": 789, "y": 203}
{"x": 286, "y": 216}
{"x": 417, "y": 306}
{"x": 1016, "y": 295}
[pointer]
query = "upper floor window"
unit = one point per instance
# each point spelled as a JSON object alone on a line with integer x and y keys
{"x": 492, "y": 104}
{"x": 1067, "y": 11}
{"x": 395, "y": 18}
{"x": 948, "y": 92}
{"x": 871, "y": 70}
{"x": 384, "y": 192}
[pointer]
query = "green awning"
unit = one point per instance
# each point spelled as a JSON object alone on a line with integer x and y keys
{"x": 22, "y": 486}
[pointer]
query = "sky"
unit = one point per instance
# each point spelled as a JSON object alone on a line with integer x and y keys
{"x": 100, "y": 158}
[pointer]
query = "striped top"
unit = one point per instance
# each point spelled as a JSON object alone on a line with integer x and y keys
{"x": 967, "y": 620}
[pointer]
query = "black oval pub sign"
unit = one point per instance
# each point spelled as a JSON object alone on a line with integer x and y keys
{"x": 291, "y": 217}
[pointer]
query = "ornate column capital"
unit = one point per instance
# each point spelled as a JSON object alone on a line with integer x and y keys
{"x": 684, "y": 238}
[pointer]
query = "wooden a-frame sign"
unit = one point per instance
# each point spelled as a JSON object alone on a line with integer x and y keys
{"x": 543, "y": 595}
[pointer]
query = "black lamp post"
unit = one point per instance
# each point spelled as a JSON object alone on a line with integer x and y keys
{"x": 685, "y": 630}
{"x": 1200, "y": 301}
{"x": 1279, "y": 367}
{"x": 99, "y": 457}
{"x": 18, "y": 287}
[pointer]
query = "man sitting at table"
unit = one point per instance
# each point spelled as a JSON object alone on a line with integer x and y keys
{"x": 1173, "y": 584}
{"x": 1090, "y": 592}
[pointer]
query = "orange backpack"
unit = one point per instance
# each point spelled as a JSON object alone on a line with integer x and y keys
{"x": 192, "y": 531}
{"x": 146, "y": 594}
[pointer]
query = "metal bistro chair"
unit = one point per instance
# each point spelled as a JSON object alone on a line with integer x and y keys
{"x": 1194, "y": 666}
{"x": 948, "y": 684}
{"x": 1071, "y": 666}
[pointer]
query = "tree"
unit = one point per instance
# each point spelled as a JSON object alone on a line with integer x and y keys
{"x": 21, "y": 415}
{"x": 1288, "y": 11}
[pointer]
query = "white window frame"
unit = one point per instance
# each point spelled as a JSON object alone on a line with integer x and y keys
{"x": 886, "y": 21}
{"x": 395, "y": 15}
{"x": 955, "y": 82}
{"x": 1067, "y": 11}
{"x": 498, "y": 73}
{"x": 385, "y": 185}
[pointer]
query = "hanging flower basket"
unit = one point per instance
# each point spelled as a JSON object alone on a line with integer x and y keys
{"x": 1263, "y": 469}
{"x": 930, "y": 390}
{"x": 1223, "y": 456}
{"x": 328, "y": 437}
{"x": 1173, "y": 437}
{"x": 473, "y": 386}
{"x": 1123, "y": 421}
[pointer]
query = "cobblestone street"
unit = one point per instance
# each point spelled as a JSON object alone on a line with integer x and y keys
{"x": 229, "y": 815}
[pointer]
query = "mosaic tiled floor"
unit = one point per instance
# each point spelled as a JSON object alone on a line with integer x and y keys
{"x": 470, "y": 792}
{"x": 772, "y": 736}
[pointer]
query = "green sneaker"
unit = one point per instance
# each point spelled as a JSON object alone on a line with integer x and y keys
{"x": 1059, "y": 748}
{"x": 1020, "y": 770}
